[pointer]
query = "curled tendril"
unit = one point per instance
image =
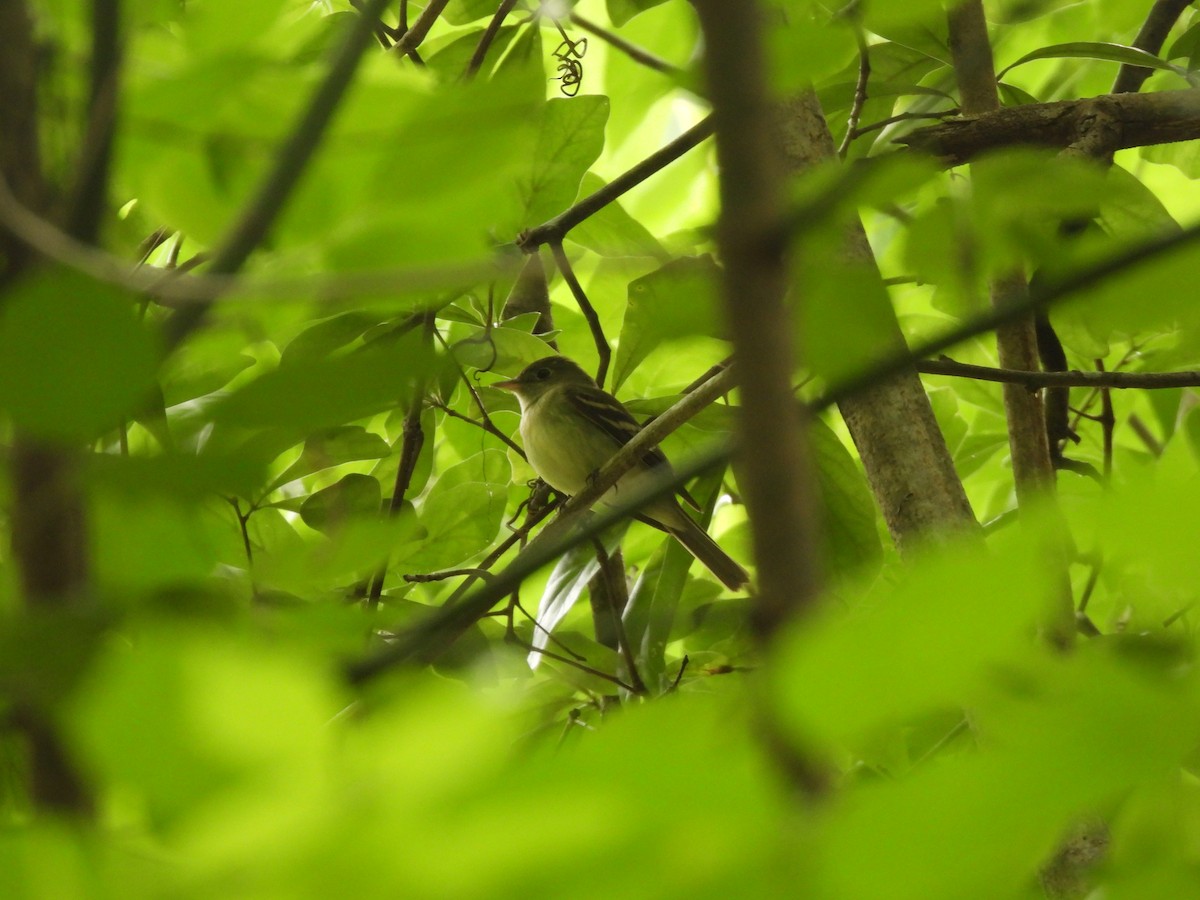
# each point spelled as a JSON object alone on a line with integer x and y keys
{"x": 569, "y": 53}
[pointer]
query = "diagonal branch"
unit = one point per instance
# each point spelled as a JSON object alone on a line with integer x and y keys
{"x": 488, "y": 36}
{"x": 1161, "y": 19}
{"x": 556, "y": 229}
{"x": 261, "y": 213}
{"x": 585, "y": 306}
{"x": 633, "y": 51}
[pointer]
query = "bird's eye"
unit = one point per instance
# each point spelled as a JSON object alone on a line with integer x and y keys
{"x": 542, "y": 374}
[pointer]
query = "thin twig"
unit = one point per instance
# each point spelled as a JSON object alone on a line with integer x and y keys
{"x": 612, "y": 571}
{"x": 1034, "y": 380}
{"x": 417, "y": 32}
{"x": 90, "y": 200}
{"x": 173, "y": 290}
{"x": 413, "y": 439}
{"x": 489, "y": 35}
{"x": 260, "y": 214}
{"x": 1159, "y": 21}
{"x": 634, "y": 52}
{"x": 429, "y": 577}
{"x": 516, "y": 602}
{"x": 484, "y": 424}
{"x": 1108, "y": 423}
{"x": 1142, "y": 431}
{"x": 860, "y": 90}
{"x": 603, "y": 351}
{"x": 904, "y": 117}
{"x": 512, "y": 637}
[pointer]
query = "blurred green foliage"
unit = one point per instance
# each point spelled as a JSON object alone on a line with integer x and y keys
{"x": 240, "y": 495}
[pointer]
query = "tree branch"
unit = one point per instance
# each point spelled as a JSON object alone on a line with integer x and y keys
{"x": 1016, "y": 342}
{"x": 1159, "y": 22}
{"x": 488, "y": 36}
{"x": 1036, "y": 380}
{"x": 557, "y": 228}
{"x": 776, "y": 476}
{"x": 603, "y": 351}
{"x": 260, "y": 214}
{"x": 1162, "y": 117}
{"x": 89, "y": 202}
{"x": 634, "y": 52}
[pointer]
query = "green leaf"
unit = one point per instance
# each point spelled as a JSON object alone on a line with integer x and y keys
{"x": 911, "y": 647}
{"x": 177, "y": 475}
{"x": 503, "y": 349}
{"x": 1186, "y": 46}
{"x": 848, "y": 512}
{"x": 1184, "y": 155}
{"x": 225, "y": 712}
{"x": 650, "y": 616}
{"x": 154, "y": 540}
{"x": 464, "y": 12}
{"x": 352, "y": 496}
{"x": 612, "y": 231}
{"x": 73, "y": 358}
{"x": 404, "y": 144}
{"x": 984, "y": 822}
{"x": 462, "y": 512}
{"x": 569, "y": 141}
{"x": 323, "y": 393}
{"x": 333, "y": 447}
{"x": 678, "y": 300}
{"x": 568, "y": 580}
{"x": 1117, "y": 53}
{"x": 326, "y": 335}
{"x": 621, "y": 11}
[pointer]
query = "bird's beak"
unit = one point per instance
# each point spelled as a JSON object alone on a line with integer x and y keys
{"x": 511, "y": 385}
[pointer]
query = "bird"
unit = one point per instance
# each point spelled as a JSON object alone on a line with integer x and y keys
{"x": 571, "y": 427}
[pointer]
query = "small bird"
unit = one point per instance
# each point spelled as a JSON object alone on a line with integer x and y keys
{"x": 570, "y": 428}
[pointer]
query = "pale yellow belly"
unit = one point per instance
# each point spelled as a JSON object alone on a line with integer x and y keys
{"x": 565, "y": 458}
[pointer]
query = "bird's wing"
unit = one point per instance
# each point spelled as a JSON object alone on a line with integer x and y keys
{"x": 610, "y": 415}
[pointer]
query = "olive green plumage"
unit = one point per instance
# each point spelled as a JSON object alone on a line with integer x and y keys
{"x": 570, "y": 428}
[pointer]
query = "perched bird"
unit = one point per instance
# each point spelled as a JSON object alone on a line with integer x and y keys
{"x": 570, "y": 428}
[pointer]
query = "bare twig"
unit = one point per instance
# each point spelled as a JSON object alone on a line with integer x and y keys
{"x": 174, "y": 290}
{"x": 430, "y": 577}
{"x": 634, "y": 52}
{"x": 260, "y": 214}
{"x": 1035, "y": 380}
{"x": 488, "y": 36}
{"x": 1159, "y": 22}
{"x": 412, "y": 440}
{"x": 860, "y": 90}
{"x": 612, "y": 570}
{"x": 1147, "y": 436}
{"x": 603, "y": 351}
{"x": 413, "y": 36}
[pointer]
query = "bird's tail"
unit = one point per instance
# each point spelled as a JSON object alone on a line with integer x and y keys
{"x": 705, "y": 549}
